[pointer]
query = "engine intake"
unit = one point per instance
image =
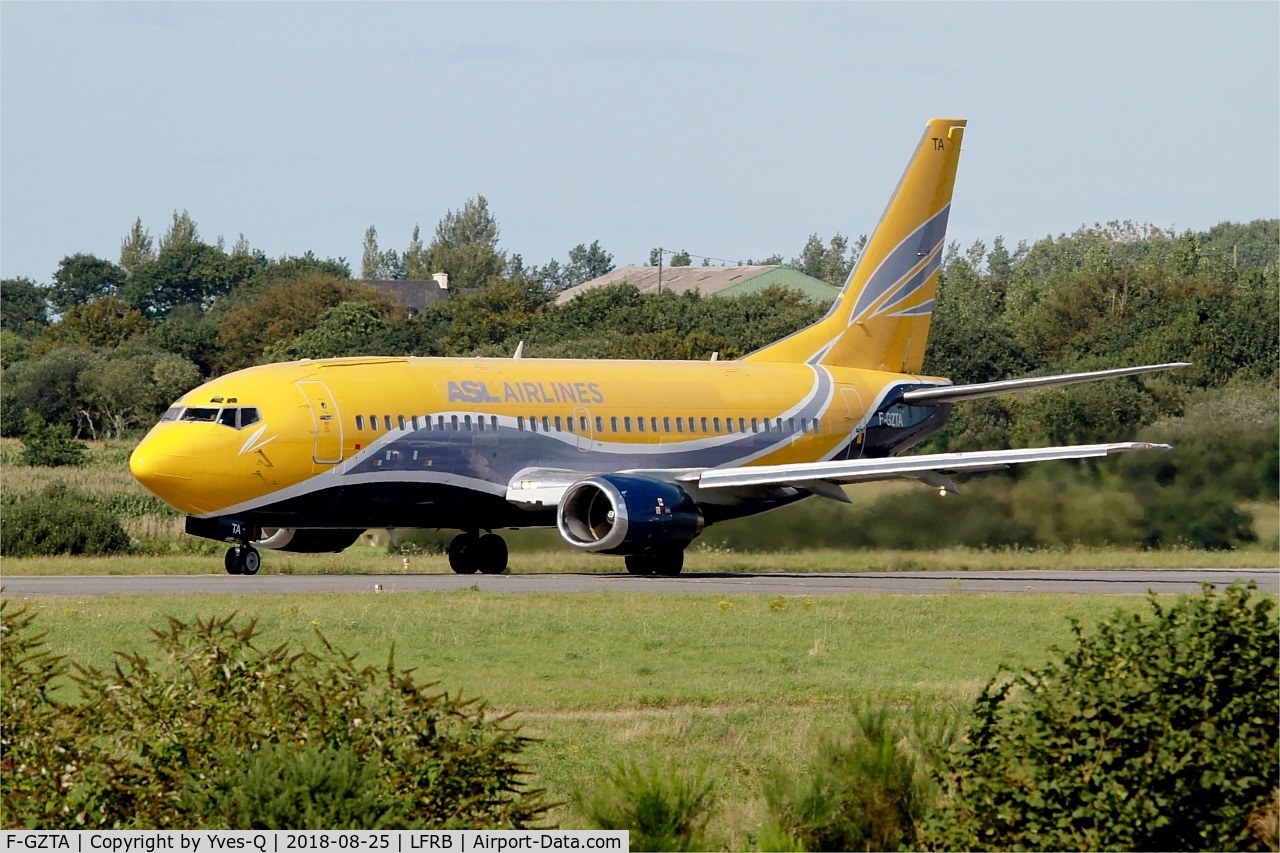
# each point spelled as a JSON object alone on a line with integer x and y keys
{"x": 629, "y": 515}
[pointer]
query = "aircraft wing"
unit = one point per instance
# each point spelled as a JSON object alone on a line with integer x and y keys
{"x": 931, "y": 468}
{"x": 956, "y": 393}
{"x": 543, "y": 487}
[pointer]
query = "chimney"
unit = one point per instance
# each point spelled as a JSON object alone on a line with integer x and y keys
{"x": 442, "y": 279}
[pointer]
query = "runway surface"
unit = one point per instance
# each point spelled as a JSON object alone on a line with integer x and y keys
{"x": 1093, "y": 582}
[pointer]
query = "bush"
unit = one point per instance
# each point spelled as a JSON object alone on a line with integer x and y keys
{"x": 50, "y": 445}
{"x": 867, "y": 791}
{"x": 1155, "y": 733}
{"x": 55, "y": 521}
{"x": 217, "y": 731}
{"x": 662, "y": 808}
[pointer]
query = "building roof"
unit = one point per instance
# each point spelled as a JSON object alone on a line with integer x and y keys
{"x": 411, "y": 294}
{"x": 708, "y": 281}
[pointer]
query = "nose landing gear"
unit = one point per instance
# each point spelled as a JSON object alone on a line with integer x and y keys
{"x": 242, "y": 560}
{"x": 470, "y": 552}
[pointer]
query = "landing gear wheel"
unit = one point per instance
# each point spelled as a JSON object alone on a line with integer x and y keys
{"x": 462, "y": 554}
{"x": 666, "y": 564}
{"x": 492, "y": 554}
{"x": 250, "y": 561}
{"x": 242, "y": 560}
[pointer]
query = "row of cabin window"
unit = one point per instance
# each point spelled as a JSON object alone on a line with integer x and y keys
{"x": 548, "y": 423}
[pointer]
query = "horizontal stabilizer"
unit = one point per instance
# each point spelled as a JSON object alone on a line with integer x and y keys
{"x": 803, "y": 474}
{"x": 956, "y": 393}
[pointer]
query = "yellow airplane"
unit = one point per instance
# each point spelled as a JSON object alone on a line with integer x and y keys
{"x": 631, "y": 458}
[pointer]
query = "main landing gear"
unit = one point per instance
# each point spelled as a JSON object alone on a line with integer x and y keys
{"x": 242, "y": 560}
{"x": 470, "y": 553}
{"x": 666, "y": 563}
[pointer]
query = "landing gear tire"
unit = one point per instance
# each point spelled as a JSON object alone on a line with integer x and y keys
{"x": 666, "y": 564}
{"x": 462, "y": 554}
{"x": 242, "y": 560}
{"x": 469, "y": 553}
{"x": 492, "y": 555}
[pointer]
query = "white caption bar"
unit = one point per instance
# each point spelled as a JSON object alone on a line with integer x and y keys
{"x": 306, "y": 841}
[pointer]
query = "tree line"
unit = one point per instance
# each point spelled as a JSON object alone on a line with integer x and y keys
{"x": 104, "y": 346}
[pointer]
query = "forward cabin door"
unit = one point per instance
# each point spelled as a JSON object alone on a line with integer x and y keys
{"x": 325, "y": 421}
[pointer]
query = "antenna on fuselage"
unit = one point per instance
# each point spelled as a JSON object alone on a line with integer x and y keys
{"x": 519, "y": 350}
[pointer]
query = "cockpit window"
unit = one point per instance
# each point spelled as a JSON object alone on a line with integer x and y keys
{"x": 236, "y": 417}
{"x": 198, "y": 413}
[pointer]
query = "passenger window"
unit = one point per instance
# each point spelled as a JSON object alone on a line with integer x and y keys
{"x": 533, "y": 423}
{"x": 804, "y": 425}
{"x": 613, "y": 424}
{"x": 755, "y": 425}
{"x": 791, "y": 425}
{"x": 626, "y": 423}
{"x": 453, "y": 421}
{"x": 716, "y": 423}
{"x": 666, "y": 424}
{"x": 742, "y": 424}
{"x": 704, "y": 424}
{"x": 426, "y": 421}
{"x": 400, "y": 421}
{"x": 546, "y": 424}
{"x": 386, "y": 419}
{"x": 679, "y": 424}
{"x": 359, "y": 421}
{"x": 728, "y": 422}
{"x": 200, "y": 414}
{"x": 600, "y": 424}
{"x": 582, "y": 423}
{"x": 570, "y": 423}
{"x": 466, "y": 420}
{"x": 779, "y": 425}
{"x": 493, "y": 422}
{"x": 373, "y": 422}
{"x": 559, "y": 428}
{"x": 766, "y": 425}
{"x": 480, "y": 423}
{"x": 640, "y": 423}
{"x": 815, "y": 425}
{"x": 653, "y": 423}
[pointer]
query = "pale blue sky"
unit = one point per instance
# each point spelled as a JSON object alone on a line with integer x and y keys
{"x": 732, "y": 130}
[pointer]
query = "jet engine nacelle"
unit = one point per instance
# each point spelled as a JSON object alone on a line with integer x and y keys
{"x": 628, "y": 515}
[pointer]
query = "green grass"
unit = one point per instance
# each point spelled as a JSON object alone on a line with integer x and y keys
{"x": 740, "y": 683}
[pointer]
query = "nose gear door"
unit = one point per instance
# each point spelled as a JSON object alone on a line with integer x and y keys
{"x": 325, "y": 421}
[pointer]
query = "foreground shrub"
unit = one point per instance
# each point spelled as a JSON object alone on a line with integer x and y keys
{"x": 661, "y": 807}
{"x": 865, "y": 791}
{"x": 216, "y": 731}
{"x": 1155, "y": 733}
{"x": 57, "y": 520}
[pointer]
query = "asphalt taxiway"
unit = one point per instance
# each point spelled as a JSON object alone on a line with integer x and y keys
{"x": 1092, "y": 582}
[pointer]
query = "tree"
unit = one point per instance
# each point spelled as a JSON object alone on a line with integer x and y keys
{"x": 281, "y": 311}
{"x": 830, "y": 263}
{"x": 372, "y": 256}
{"x": 681, "y": 259}
{"x": 50, "y": 387}
{"x": 24, "y": 309}
{"x": 588, "y": 262}
{"x": 466, "y": 246}
{"x": 186, "y": 273}
{"x": 106, "y": 322}
{"x": 81, "y": 278}
{"x": 136, "y": 249}
{"x": 415, "y": 257}
{"x": 181, "y": 232}
{"x": 352, "y": 328}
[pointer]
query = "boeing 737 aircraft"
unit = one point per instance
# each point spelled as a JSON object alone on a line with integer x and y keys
{"x": 632, "y": 458}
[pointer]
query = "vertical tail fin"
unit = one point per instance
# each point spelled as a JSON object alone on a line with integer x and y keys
{"x": 881, "y": 319}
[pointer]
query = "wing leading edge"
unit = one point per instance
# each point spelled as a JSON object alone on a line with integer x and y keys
{"x": 956, "y": 393}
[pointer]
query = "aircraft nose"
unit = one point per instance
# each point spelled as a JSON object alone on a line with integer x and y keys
{"x": 160, "y": 472}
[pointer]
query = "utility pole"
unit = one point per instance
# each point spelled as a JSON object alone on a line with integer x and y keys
{"x": 659, "y": 270}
